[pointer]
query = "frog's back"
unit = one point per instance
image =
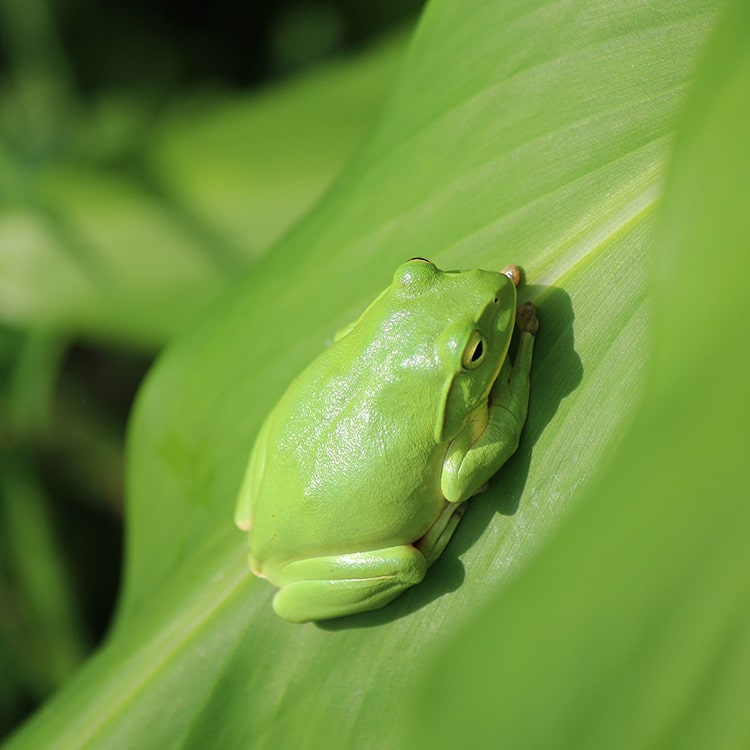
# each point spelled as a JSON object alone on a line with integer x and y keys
{"x": 348, "y": 462}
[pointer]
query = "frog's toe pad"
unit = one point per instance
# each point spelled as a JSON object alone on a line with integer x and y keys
{"x": 526, "y": 318}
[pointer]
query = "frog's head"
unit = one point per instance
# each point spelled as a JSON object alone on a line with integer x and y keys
{"x": 474, "y": 313}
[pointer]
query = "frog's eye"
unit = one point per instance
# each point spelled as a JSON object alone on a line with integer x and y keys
{"x": 420, "y": 260}
{"x": 474, "y": 352}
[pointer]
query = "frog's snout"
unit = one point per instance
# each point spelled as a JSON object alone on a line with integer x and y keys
{"x": 513, "y": 272}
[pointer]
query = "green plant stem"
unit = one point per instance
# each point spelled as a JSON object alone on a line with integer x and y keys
{"x": 41, "y": 76}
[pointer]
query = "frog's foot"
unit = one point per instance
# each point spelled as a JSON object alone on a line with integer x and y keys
{"x": 432, "y": 544}
{"x": 338, "y": 585}
{"x": 526, "y": 319}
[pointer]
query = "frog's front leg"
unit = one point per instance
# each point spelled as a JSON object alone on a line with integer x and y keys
{"x": 323, "y": 587}
{"x": 471, "y": 462}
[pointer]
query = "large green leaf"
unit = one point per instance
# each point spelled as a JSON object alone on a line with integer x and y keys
{"x": 531, "y": 132}
{"x": 632, "y": 629}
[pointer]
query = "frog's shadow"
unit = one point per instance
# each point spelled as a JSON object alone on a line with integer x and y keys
{"x": 556, "y": 372}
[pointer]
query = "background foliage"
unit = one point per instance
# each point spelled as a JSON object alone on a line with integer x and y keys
{"x": 596, "y": 595}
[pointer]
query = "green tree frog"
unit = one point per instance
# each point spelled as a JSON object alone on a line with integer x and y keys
{"x": 361, "y": 472}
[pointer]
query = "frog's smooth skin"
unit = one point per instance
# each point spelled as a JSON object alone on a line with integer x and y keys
{"x": 360, "y": 473}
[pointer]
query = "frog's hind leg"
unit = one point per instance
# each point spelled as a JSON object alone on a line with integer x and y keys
{"x": 325, "y": 587}
{"x": 432, "y": 544}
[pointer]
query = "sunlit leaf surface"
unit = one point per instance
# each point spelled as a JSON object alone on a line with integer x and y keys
{"x": 527, "y": 132}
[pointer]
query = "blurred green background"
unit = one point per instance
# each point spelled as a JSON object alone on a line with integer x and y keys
{"x": 130, "y": 132}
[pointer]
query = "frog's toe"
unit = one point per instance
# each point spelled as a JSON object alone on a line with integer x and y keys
{"x": 513, "y": 272}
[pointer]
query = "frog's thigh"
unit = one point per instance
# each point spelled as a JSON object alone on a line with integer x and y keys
{"x": 324, "y": 587}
